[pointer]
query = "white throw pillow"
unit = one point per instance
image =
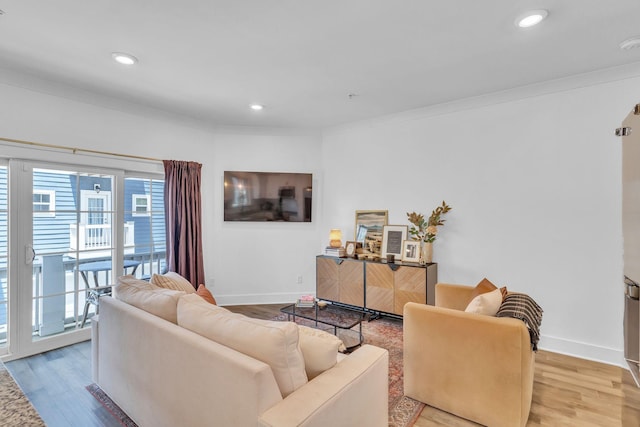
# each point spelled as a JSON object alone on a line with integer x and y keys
{"x": 172, "y": 280}
{"x": 487, "y": 303}
{"x": 157, "y": 301}
{"x": 320, "y": 350}
{"x": 272, "y": 342}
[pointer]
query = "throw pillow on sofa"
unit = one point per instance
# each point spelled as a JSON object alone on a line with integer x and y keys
{"x": 145, "y": 296}
{"x": 274, "y": 343}
{"x": 206, "y": 294}
{"x": 172, "y": 280}
{"x": 320, "y": 350}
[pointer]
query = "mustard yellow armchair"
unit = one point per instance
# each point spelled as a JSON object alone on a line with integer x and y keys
{"x": 474, "y": 366}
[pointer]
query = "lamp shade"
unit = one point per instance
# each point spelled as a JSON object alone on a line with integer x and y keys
{"x": 335, "y": 238}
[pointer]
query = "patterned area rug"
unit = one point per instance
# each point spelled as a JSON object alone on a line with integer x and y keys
{"x": 110, "y": 406}
{"x": 15, "y": 408}
{"x": 387, "y": 333}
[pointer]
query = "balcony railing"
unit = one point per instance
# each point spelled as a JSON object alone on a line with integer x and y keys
{"x": 97, "y": 236}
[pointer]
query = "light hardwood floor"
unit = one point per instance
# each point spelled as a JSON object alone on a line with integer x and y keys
{"x": 567, "y": 391}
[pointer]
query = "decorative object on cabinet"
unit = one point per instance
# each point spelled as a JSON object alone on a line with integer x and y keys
{"x": 335, "y": 252}
{"x": 425, "y": 230}
{"x": 335, "y": 238}
{"x": 351, "y": 248}
{"x": 392, "y": 238}
{"x": 411, "y": 251}
{"x": 426, "y": 253}
{"x": 368, "y": 230}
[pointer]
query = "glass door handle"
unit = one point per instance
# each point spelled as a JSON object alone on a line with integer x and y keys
{"x": 29, "y": 255}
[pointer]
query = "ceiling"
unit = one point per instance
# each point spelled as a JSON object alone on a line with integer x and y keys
{"x": 312, "y": 64}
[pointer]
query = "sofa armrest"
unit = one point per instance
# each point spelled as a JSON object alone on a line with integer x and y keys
{"x": 352, "y": 393}
{"x": 456, "y": 297}
{"x": 475, "y": 366}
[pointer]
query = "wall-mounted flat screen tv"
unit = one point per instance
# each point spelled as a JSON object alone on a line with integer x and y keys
{"x": 267, "y": 196}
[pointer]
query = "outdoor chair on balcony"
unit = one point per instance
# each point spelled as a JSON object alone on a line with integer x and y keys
{"x": 96, "y": 291}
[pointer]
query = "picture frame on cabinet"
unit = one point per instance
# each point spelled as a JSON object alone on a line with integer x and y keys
{"x": 411, "y": 251}
{"x": 393, "y": 237}
{"x": 351, "y": 248}
{"x": 368, "y": 230}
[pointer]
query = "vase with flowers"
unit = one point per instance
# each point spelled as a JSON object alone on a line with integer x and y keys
{"x": 425, "y": 230}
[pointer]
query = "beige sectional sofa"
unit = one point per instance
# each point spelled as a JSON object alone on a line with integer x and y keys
{"x": 151, "y": 357}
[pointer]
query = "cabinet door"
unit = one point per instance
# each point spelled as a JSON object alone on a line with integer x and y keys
{"x": 410, "y": 286}
{"x": 351, "y": 282}
{"x": 379, "y": 287}
{"x": 327, "y": 278}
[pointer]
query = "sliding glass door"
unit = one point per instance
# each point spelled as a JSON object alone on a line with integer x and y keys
{"x": 4, "y": 260}
{"x": 66, "y": 234}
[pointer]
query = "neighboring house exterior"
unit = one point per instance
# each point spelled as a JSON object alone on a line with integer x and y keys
{"x": 72, "y": 218}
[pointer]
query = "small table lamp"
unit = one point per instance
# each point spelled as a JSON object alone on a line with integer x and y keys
{"x": 335, "y": 238}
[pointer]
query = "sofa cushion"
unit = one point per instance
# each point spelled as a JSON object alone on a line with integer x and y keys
{"x": 206, "y": 294}
{"x": 274, "y": 343}
{"x": 172, "y": 280}
{"x": 145, "y": 296}
{"x": 320, "y": 350}
{"x": 487, "y": 303}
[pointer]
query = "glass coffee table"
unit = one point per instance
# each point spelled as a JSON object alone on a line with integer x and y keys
{"x": 341, "y": 320}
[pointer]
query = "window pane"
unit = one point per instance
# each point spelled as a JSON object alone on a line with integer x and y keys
{"x": 73, "y": 243}
{"x": 144, "y": 224}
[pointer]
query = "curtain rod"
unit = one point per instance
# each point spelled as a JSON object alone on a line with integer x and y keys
{"x": 79, "y": 150}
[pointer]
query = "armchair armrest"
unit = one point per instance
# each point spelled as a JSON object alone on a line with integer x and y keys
{"x": 475, "y": 366}
{"x": 352, "y": 393}
{"x": 456, "y": 297}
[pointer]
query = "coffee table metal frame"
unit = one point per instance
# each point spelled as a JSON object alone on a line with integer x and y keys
{"x": 332, "y": 315}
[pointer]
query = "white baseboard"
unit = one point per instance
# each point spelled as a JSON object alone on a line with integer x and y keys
{"x": 271, "y": 298}
{"x": 610, "y": 356}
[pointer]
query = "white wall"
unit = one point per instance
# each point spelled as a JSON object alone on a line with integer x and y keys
{"x": 244, "y": 263}
{"x": 535, "y": 186}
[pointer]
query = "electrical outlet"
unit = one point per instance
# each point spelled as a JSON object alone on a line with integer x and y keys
{"x": 299, "y": 280}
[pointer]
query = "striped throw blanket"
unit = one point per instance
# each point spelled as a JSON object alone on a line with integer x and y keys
{"x": 523, "y": 307}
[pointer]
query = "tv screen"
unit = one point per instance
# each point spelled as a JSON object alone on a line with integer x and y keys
{"x": 267, "y": 196}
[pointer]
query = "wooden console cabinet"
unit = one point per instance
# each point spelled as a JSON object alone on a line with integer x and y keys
{"x": 375, "y": 286}
{"x": 340, "y": 280}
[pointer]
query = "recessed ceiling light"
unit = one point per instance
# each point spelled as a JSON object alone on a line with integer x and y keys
{"x": 124, "y": 58}
{"x": 257, "y": 107}
{"x": 631, "y": 43}
{"x": 531, "y": 18}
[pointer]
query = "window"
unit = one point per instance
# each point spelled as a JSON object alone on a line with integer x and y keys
{"x": 140, "y": 204}
{"x": 44, "y": 203}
